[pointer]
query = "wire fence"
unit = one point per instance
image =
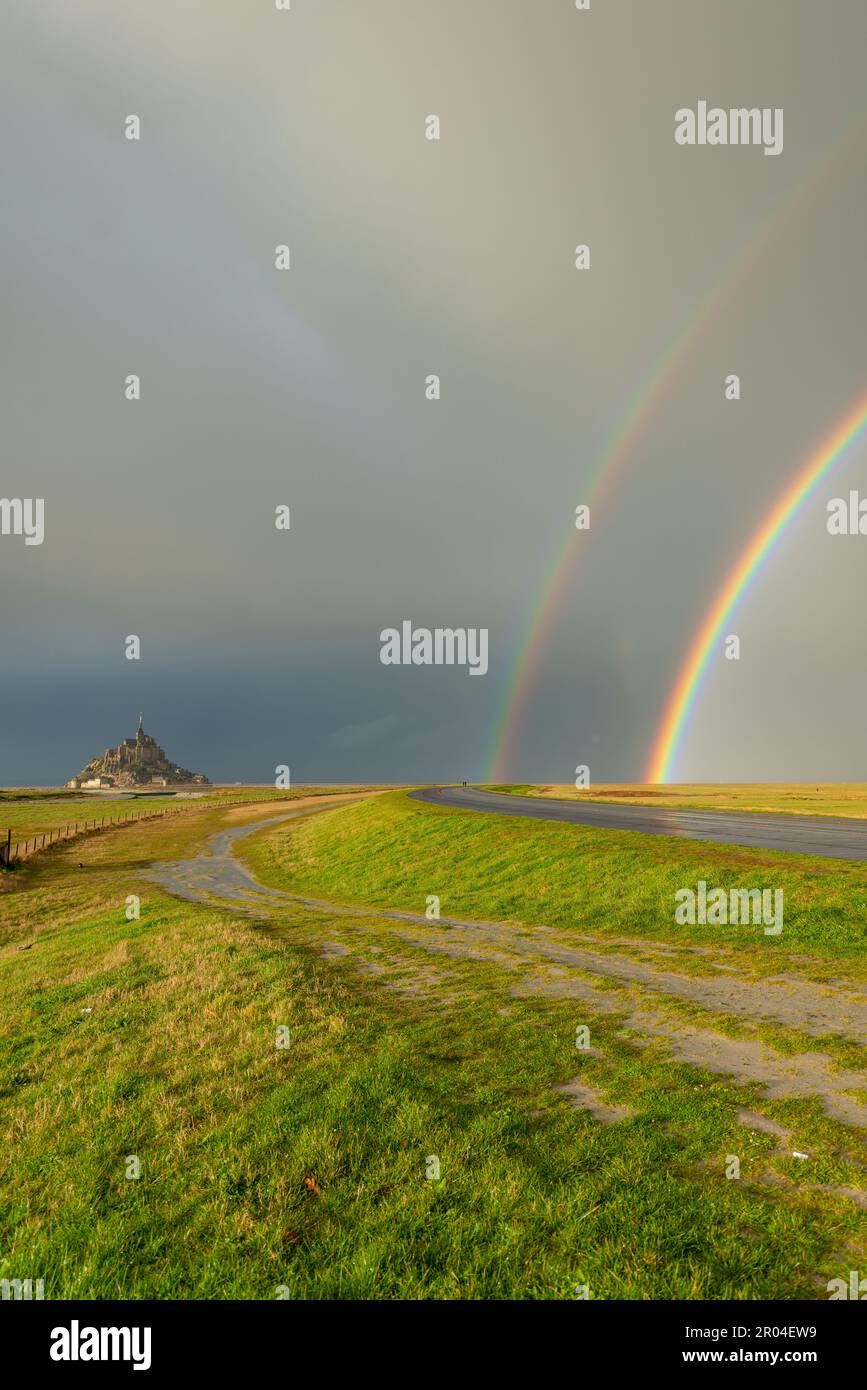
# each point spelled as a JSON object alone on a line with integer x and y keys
{"x": 14, "y": 851}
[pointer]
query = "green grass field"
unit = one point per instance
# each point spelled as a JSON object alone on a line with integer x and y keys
{"x": 30, "y": 812}
{"x": 829, "y": 799}
{"x": 306, "y": 1168}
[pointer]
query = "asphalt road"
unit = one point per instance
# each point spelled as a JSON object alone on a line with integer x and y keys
{"x": 829, "y": 836}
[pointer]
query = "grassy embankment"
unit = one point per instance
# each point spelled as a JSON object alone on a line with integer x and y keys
{"x": 305, "y": 1167}
{"x": 394, "y": 852}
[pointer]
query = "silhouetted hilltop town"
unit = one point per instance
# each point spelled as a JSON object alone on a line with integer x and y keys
{"x": 136, "y": 762}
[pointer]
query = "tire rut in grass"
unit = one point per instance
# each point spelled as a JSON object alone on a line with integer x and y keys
{"x": 217, "y": 878}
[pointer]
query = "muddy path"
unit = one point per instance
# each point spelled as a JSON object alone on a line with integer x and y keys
{"x": 605, "y": 980}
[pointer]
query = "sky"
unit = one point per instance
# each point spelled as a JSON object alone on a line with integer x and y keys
{"x": 306, "y": 387}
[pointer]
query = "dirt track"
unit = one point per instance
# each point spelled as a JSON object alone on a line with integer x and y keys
{"x": 611, "y": 981}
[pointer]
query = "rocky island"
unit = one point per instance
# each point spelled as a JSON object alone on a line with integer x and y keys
{"x": 136, "y": 762}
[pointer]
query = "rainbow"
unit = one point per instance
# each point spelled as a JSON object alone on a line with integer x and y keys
{"x": 554, "y": 588}
{"x": 699, "y": 659}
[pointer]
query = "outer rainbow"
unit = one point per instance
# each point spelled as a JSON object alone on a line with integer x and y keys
{"x": 700, "y": 656}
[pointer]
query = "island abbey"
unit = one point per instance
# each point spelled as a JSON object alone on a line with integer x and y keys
{"x": 136, "y": 762}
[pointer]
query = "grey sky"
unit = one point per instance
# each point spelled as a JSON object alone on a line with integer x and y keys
{"x": 412, "y": 257}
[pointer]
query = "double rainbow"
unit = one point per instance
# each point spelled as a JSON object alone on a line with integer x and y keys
{"x": 705, "y": 644}
{"x": 545, "y": 612}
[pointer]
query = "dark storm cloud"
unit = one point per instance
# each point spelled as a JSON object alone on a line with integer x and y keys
{"x": 307, "y": 388}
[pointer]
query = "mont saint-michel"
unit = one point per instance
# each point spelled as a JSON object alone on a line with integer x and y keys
{"x": 135, "y": 762}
